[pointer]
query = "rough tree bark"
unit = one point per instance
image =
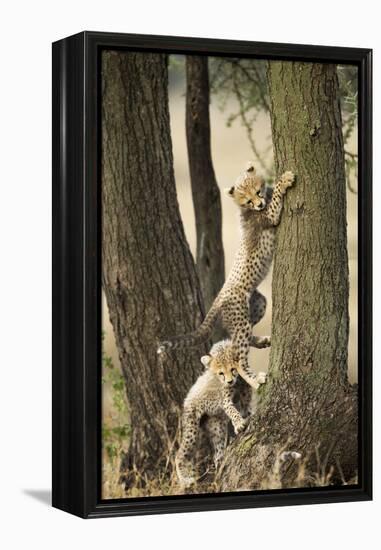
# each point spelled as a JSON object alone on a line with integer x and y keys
{"x": 205, "y": 191}
{"x": 143, "y": 240}
{"x": 308, "y": 404}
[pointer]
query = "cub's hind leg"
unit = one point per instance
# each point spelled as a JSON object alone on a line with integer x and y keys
{"x": 243, "y": 398}
{"x": 257, "y": 309}
{"x": 236, "y": 318}
{"x": 216, "y": 427}
{"x": 183, "y": 461}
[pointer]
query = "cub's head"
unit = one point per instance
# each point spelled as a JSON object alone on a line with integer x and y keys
{"x": 222, "y": 363}
{"x": 249, "y": 190}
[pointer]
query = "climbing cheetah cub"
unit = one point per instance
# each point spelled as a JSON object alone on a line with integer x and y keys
{"x": 218, "y": 395}
{"x": 239, "y": 303}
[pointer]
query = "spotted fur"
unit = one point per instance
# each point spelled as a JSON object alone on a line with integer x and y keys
{"x": 239, "y": 303}
{"x": 219, "y": 395}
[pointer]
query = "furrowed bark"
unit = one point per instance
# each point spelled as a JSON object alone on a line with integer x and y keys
{"x": 308, "y": 405}
{"x": 148, "y": 272}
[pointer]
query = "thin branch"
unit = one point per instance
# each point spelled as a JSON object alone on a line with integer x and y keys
{"x": 353, "y": 156}
{"x": 256, "y": 81}
{"x": 249, "y": 130}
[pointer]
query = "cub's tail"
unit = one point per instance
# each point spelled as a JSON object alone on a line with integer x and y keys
{"x": 193, "y": 338}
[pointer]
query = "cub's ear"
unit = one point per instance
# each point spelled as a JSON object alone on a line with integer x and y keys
{"x": 229, "y": 191}
{"x": 205, "y": 360}
{"x": 250, "y": 167}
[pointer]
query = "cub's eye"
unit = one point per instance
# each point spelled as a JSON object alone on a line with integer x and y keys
{"x": 250, "y": 169}
{"x": 259, "y": 194}
{"x": 234, "y": 371}
{"x": 249, "y": 201}
{"x": 221, "y": 374}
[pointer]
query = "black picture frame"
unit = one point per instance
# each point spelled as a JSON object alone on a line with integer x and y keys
{"x": 77, "y": 282}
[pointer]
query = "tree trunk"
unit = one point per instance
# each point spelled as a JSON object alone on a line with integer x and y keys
{"x": 205, "y": 191}
{"x": 308, "y": 405}
{"x": 149, "y": 275}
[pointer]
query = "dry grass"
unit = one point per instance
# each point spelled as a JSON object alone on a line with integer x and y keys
{"x": 111, "y": 487}
{"x": 167, "y": 484}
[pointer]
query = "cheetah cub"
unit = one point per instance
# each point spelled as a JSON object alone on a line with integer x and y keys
{"x": 217, "y": 396}
{"x": 239, "y": 303}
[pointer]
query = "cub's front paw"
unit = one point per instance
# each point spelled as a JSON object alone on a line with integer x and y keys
{"x": 287, "y": 180}
{"x": 261, "y": 377}
{"x": 240, "y": 425}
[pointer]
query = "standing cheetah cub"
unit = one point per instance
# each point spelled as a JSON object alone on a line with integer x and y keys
{"x": 239, "y": 303}
{"x": 217, "y": 396}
